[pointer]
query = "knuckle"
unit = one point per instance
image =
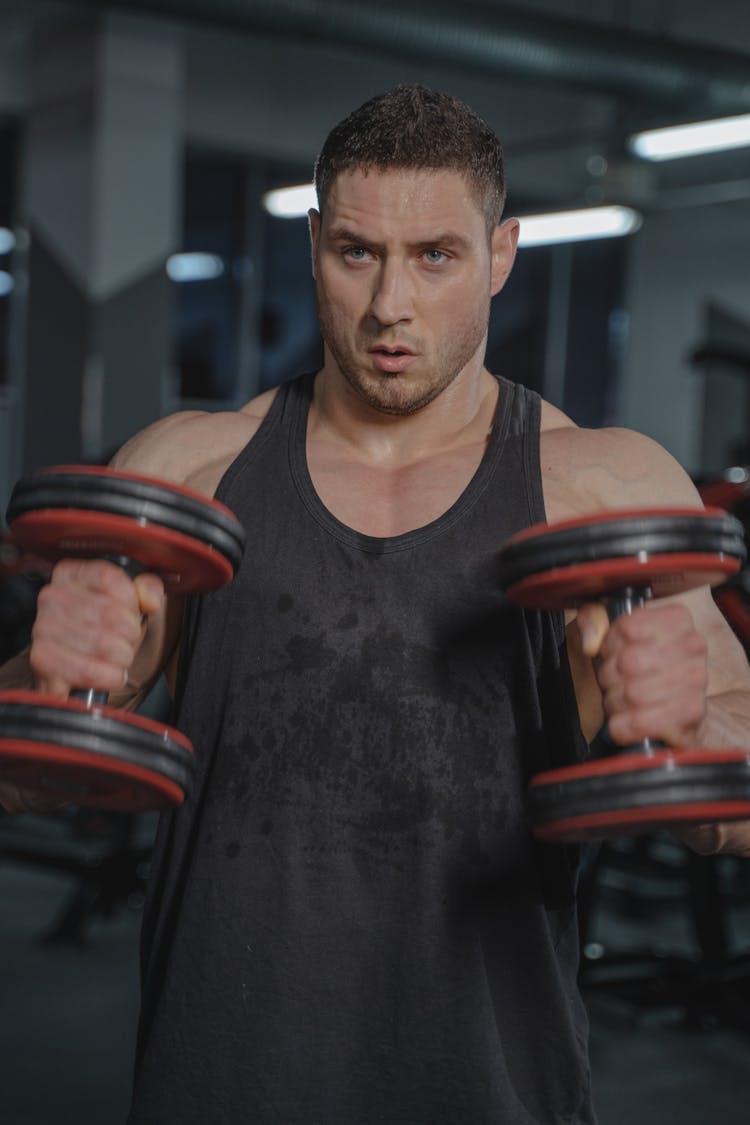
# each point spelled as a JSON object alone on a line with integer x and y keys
{"x": 632, "y": 694}
{"x": 65, "y": 570}
{"x": 110, "y": 578}
{"x": 121, "y": 626}
{"x": 97, "y": 674}
{"x": 46, "y": 599}
{"x": 612, "y": 702}
{"x": 631, "y": 626}
{"x": 631, "y": 661}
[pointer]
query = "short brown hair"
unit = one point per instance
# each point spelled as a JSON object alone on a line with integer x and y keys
{"x": 415, "y": 127}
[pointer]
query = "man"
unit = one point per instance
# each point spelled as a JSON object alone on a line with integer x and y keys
{"x": 349, "y": 921}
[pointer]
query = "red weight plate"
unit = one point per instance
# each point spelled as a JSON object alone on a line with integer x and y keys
{"x": 92, "y": 777}
{"x": 724, "y": 493}
{"x": 612, "y": 515}
{"x": 92, "y": 780}
{"x": 626, "y": 762}
{"x": 634, "y": 818}
{"x": 570, "y": 586}
{"x": 628, "y": 822}
{"x": 185, "y": 564}
{"x": 139, "y": 478}
{"x": 43, "y": 700}
{"x": 39, "y": 699}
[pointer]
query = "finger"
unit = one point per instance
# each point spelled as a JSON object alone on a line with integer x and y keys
{"x": 59, "y": 671}
{"x": 649, "y": 625}
{"x": 667, "y": 701}
{"x": 99, "y": 627}
{"x": 674, "y": 725}
{"x": 66, "y": 612}
{"x": 96, "y": 576}
{"x": 593, "y": 625}
{"x": 668, "y": 661}
{"x": 676, "y": 686}
{"x": 674, "y": 717}
{"x": 149, "y": 590}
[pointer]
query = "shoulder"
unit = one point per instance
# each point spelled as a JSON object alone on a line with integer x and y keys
{"x": 194, "y": 447}
{"x": 585, "y": 470}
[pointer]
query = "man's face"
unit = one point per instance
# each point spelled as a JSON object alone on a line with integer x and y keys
{"x": 405, "y": 274}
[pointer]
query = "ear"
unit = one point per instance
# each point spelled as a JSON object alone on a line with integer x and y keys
{"x": 313, "y": 219}
{"x": 504, "y": 245}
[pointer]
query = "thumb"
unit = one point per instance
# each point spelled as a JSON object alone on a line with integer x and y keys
{"x": 150, "y": 591}
{"x": 593, "y": 624}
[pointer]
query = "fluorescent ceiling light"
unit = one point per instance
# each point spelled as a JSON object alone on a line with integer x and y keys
{"x": 6, "y": 283}
{"x": 576, "y": 226}
{"x": 536, "y": 230}
{"x": 688, "y": 140}
{"x": 194, "y": 267}
{"x": 290, "y": 202}
{"x": 7, "y": 240}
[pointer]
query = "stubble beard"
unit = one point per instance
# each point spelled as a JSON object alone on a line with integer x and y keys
{"x": 401, "y": 394}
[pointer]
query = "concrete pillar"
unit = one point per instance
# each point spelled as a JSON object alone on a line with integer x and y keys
{"x": 100, "y": 196}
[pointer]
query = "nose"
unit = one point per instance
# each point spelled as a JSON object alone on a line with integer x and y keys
{"x": 392, "y": 296}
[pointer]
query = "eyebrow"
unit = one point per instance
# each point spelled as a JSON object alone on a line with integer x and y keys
{"x": 343, "y": 234}
{"x": 446, "y": 238}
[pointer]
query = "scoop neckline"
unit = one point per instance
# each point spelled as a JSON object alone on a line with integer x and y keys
{"x": 374, "y": 544}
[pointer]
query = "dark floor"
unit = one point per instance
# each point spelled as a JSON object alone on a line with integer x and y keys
{"x": 69, "y": 1005}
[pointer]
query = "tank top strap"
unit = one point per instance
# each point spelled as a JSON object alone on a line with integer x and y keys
{"x": 290, "y": 401}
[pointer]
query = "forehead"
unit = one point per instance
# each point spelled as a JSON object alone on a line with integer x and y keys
{"x": 421, "y": 199}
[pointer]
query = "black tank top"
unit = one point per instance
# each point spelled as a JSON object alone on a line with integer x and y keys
{"x": 348, "y": 921}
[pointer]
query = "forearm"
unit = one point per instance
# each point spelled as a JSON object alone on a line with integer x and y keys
{"x": 726, "y": 726}
{"x": 727, "y": 721}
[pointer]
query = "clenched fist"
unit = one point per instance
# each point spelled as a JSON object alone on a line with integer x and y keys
{"x": 651, "y": 667}
{"x": 89, "y": 626}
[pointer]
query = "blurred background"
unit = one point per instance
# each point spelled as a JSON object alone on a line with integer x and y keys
{"x": 141, "y": 272}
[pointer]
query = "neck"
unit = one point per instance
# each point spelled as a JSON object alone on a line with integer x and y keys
{"x": 460, "y": 415}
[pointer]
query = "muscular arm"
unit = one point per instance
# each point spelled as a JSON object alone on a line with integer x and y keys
{"x": 674, "y": 670}
{"x": 95, "y": 627}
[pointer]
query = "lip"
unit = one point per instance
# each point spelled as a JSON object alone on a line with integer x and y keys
{"x": 390, "y": 363}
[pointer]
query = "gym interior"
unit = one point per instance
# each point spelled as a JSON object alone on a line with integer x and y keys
{"x": 144, "y": 270}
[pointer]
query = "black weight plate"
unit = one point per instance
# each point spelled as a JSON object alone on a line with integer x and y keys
{"x": 91, "y": 481}
{"x": 183, "y": 562}
{"x": 143, "y": 500}
{"x": 659, "y": 576}
{"x": 639, "y": 535}
{"x": 30, "y": 717}
{"x": 75, "y": 777}
{"x": 632, "y": 793}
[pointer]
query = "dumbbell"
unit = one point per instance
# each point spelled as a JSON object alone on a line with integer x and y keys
{"x": 624, "y": 559}
{"x": 81, "y": 749}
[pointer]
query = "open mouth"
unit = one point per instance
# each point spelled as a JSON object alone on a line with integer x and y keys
{"x": 383, "y": 350}
{"x": 392, "y": 360}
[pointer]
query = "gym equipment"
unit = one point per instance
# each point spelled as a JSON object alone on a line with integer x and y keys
{"x": 81, "y": 749}
{"x": 624, "y": 559}
{"x": 732, "y": 492}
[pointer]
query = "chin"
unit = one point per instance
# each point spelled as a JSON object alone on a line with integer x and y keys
{"x": 393, "y": 394}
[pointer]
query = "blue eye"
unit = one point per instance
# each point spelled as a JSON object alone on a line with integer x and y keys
{"x": 357, "y": 253}
{"x": 435, "y": 257}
